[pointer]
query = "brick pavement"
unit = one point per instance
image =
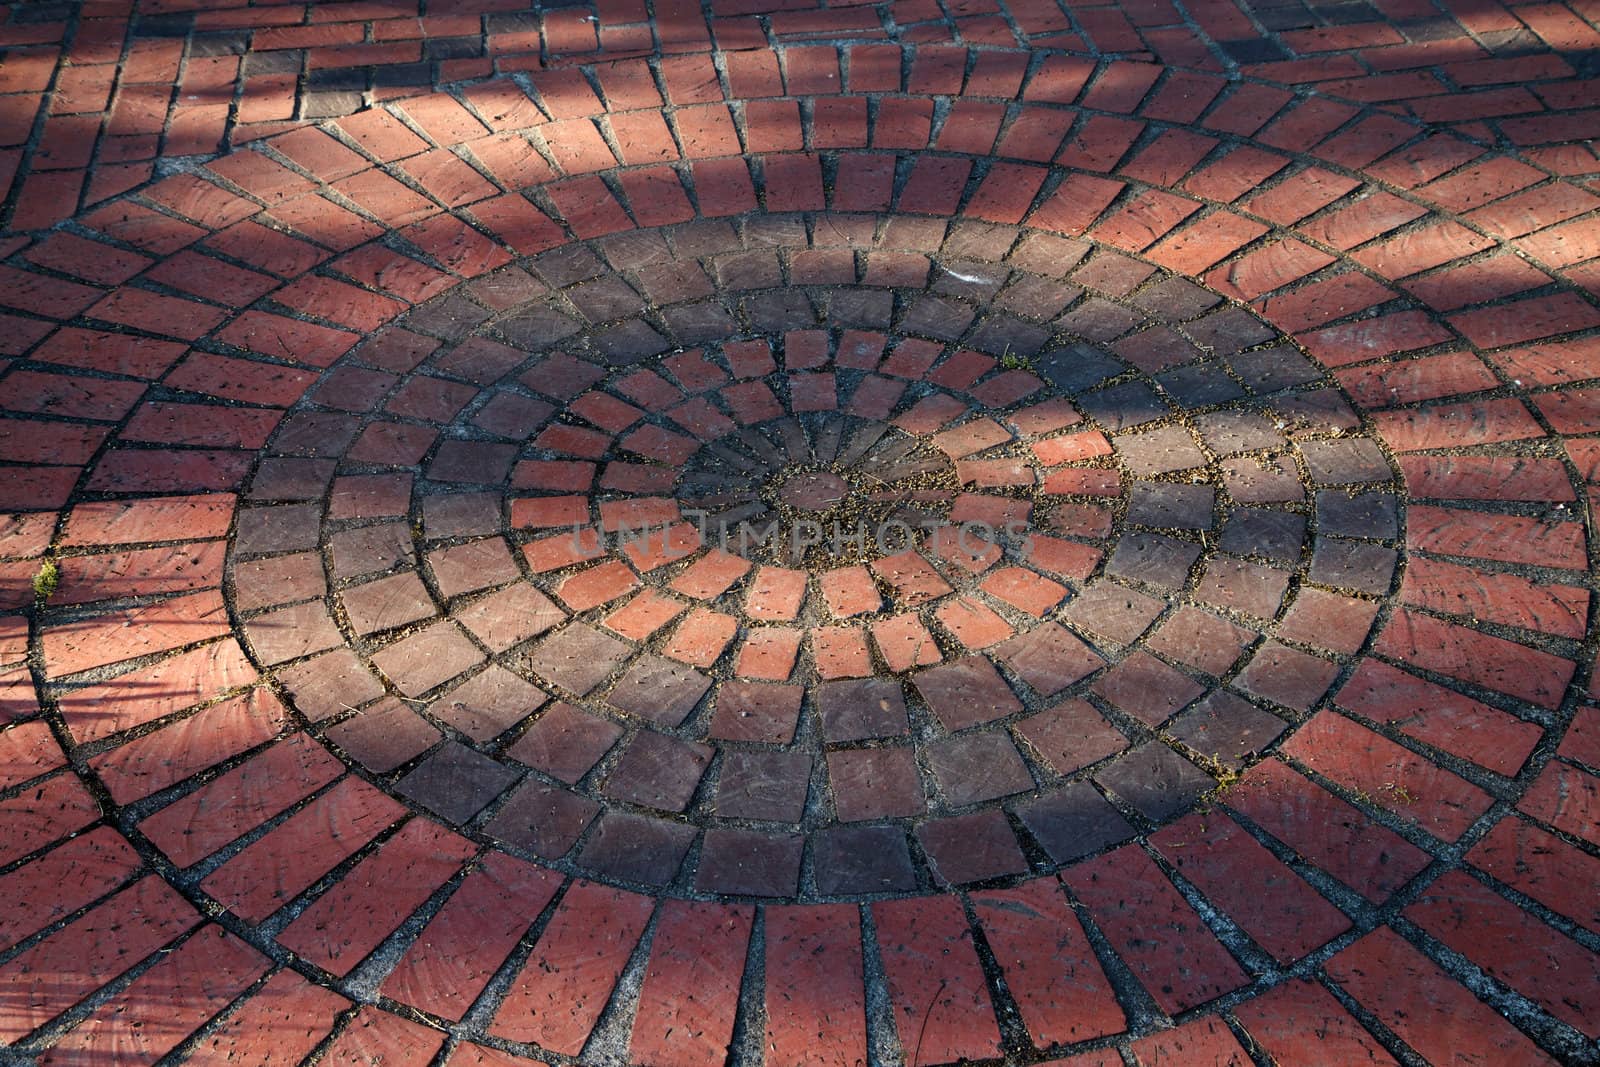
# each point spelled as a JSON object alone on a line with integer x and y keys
{"x": 1224, "y": 376}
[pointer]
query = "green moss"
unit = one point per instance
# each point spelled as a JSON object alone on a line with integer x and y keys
{"x": 45, "y": 582}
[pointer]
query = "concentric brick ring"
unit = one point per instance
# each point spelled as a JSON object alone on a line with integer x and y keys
{"x": 1470, "y": 709}
{"x": 847, "y": 578}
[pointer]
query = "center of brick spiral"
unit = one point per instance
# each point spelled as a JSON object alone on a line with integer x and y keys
{"x": 813, "y": 490}
{"x": 813, "y": 592}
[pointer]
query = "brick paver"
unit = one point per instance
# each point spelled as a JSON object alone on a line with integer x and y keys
{"x": 422, "y": 432}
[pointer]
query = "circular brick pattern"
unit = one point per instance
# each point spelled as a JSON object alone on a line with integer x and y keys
{"x": 819, "y": 591}
{"x": 1401, "y": 878}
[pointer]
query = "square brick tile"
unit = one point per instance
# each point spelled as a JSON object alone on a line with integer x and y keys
{"x": 325, "y": 685}
{"x": 577, "y": 658}
{"x": 565, "y": 742}
{"x": 1147, "y": 689}
{"x": 1048, "y": 659}
{"x": 971, "y": 848}
{"x": 427, "y": 659}
{"x": 756, "y": 711}
{"x": 1071, "y": 736}
{"x": 509, "y": 617}
{"x": 660, "y": 690}
{"x": 472, "y": 566}
{"x": 289, "y": 633}
{"x": 966, "y": 691}
{"x": 749, "y": 862}
{"x": 387, "y": 603}
{"x": 978, "y": 766}
{"x": 1153, "y": 559}
{"x": 658, "y": 771}
{"x": 544, "y": 819}
{"x": 456, "y": 782}
{"x": 1156, "y": 781}
{"x": 875, "y": 783}
{"x": 1073, "y": 822}
{"x": 861, "y": 710}
{"x": 1201, "y": 639}
{"x": 637, "y": 848}
{"x": 770, "y": 786}
{"x": 384, "y": 736}
{"x": 862, "y": 859}
{"x": 1226, "y": 728}
{"x": 488, "y": 704}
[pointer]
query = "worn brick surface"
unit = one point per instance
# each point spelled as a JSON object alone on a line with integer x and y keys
{"x": 342, "y": 388}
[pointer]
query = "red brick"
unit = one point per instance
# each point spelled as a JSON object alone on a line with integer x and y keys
{"x": 775, "y": 594}
{"x": 1392, "y": 777}
{"x": 1269, "y": 902}
{"x": 1503, "y": 598}
{"x": 277, "y": 867}
{"x": 1076, "y": 204}
{"x": 1370, "y": 338}
{"x": 1581, "y": 744}
{"x": 81, "y": 957}
{"x": 99, "y": 640}
{"x": 1166, "y": 160}
{"x": 139, "y": 357}
{"x": 373, "y": 1036}
{"x": 1534, "y": 862}
{"x": 690, "y": 994}
{"x": 1144, "y": 220}
{"x": 560, "y": 992}
{"x": 164, "y": 1004}
{"x": 815, "y": 1001}
{"x": 1204, "y": 242}
{"x": 316, "y": 152}
{"x": 1049, "y": 967}
{"x": 154, "y": 761}
{"x": 1323, "y": 301}
{"x": 1007, "y": 193}
{"x": 140, "y": 572}
{"x": 1422, "y": 378}
{"x": 71, "y": 396}
{"x": 240, "y": 800}
{"x": 348, "y": 921}
{"x": 1488, "y": 536}
{"x": 1329, "y": 833}
{"x": 1494, "y": 662}
{"x": 381, "y": 135}
{"x": 904, "y": 643}
{"x": 849, "y": 591}
{"x": 1154, "y": 930}
{"x": 1526, "y": 320}
{"x": 1269, "y": 267}
{"x": 443, "y": 119}
{"x": 1197, "y": 1041}
{"x": 468, "y": 939}
{"x": 1422, "y": 1004}
{"x": 28, "y": 750}
{"x": 588, "y": 207}
{"x": 62, "y": 880}
{"x": 769, "y": 653}
{"x": 1513, "y": 946}
{"x": 154, "y": 692}
{"x": 841, "y": 652}
{"x": 1279, "y": 1020}
{"x": 937, "y": 989}
{"x": 277, "y": 1026}
{"x": 1328, "y": 620}
{"x": 1566, "y": 798}
{"x": 1024, "y": 590}
{"x": 92, "y": 261}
